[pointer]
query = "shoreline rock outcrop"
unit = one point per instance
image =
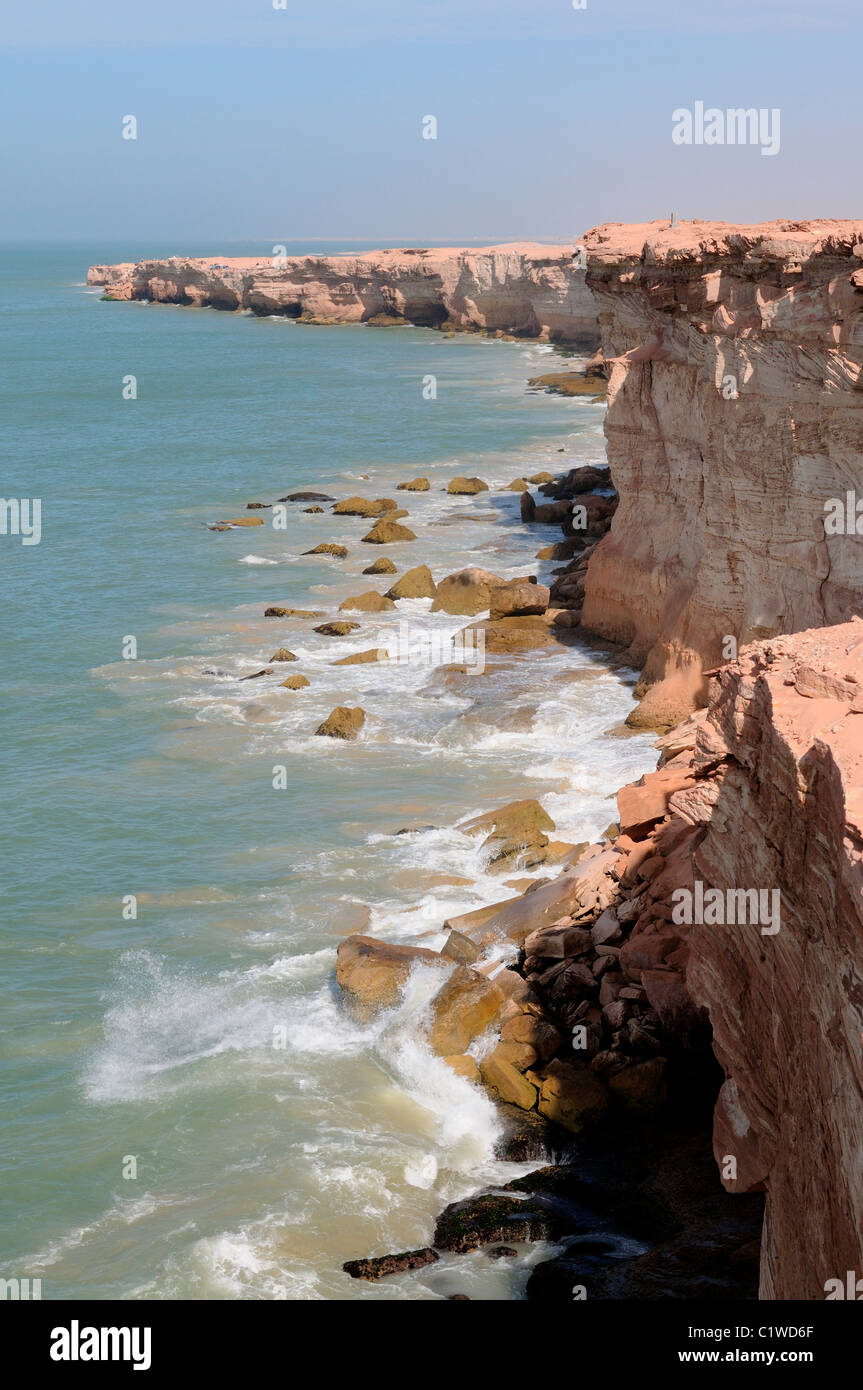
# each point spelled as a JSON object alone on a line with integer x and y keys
{"x": 522, "y": 289}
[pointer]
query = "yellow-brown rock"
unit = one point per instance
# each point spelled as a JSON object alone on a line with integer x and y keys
{"x": 461, "y": 1010}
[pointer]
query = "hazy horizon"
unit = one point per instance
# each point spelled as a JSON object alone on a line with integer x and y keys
{"x": 297, "y": 125}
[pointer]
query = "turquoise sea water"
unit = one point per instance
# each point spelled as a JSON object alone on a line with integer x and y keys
{"x": 259, "y": 1169}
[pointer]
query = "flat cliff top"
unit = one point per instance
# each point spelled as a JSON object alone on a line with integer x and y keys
{"x": 428, "y": 258}
{"x": 660, "y": 243}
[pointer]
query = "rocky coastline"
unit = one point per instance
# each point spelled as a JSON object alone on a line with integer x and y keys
{"x": 520, "y": 290}
{"x": 700, "y": 965}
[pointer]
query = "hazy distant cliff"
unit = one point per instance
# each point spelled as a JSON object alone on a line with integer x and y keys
{"x": 525, "y": 289}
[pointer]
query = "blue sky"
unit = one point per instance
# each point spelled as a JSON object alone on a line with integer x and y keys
{"x": 255, "y": 123}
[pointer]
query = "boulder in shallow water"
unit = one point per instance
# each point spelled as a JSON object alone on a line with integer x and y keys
{"x": 516, "y": 598}
{"x": 507, "y": 1082}
{"x": 372, "y": 973}
{"x": 415, "y": 485}
{"x": 366, "y": 658}
{"x": 296, "y": 682}
{"x": 512, "y": 832}
{"x": 386, "y": 532}
{"x": 240, "y": 521}
{"x": 466, "y": 592}
{"x": 460, "y": 949}
{"x": 522, "y": 633}
{"x": 382, "y": 566}
{"x": 276, "y": 612}
{"x": 382, "y": 1265}
{"x": 284, "y": 655}
{"x": 415, "y": 583}
{"x": 464, "y": 487}
{"x": 338, "y": 552}
{"x": 369, "y": 602}
{"x": 490, "y": 1219}
{"x": 461, "y": 1010}
{"x": 464, "y": 1065}
{"x": 363, "y": 506}
{"x": 337, "y": 629}
{"x": 342, "y": 722}
{"x": 307, "y": 497}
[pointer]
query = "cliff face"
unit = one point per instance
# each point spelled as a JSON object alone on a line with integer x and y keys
{"x": 525, "y": 289}
{"x": 735, "y": 417}
{"x": 779, "y": 798}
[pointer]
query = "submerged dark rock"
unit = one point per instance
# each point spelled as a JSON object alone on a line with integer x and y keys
{"x": 390, "y": 1264}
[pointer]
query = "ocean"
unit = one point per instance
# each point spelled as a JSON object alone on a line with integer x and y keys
{"x": 167, "y": 911}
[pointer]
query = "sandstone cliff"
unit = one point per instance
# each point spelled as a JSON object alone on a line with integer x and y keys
{"x": 735, "y": 417}
{"x": 525, "y": 289}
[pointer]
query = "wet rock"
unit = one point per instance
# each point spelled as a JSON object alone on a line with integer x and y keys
{"x": 382, "y": 566}
{"x": 502, "y": 1252}
{"x": 363, "y": 506}
{"x": 257, "y": 506}
{"x": 460, "y": 948}
{"x": 369, "y": 602}
{"x": 283, "y": 655}
{"x": 527, "y": 1136}
{"x": 512, "y": 832}
{"x": 387, "y": 532}
{"x": 253, "y": 676}
{"x": 415, "y": 485}
{"x": 517, "y": 485}
{"x": 342, "y": 722}
{"x": 372, "y": 973}
{"x": 239, "y": 521}
{"x": 522, "y": 633}
{"x": 338, "y": 552}
{"x": 460, "y": 487}
{"x": 414, "y": 583}
{"x": 275, "y": 612}
{"x": 507, "y": 1082}
{"x": 491, "y": 1219}
{"x": 307, "y": 497}
{"x": 571, "y": 1096}
{"x": 464, "y": 1065}
{"x": 366, "y": 658}
{"x": 466, "y": 592}
{"x": 516, "y": 598}
{"x": 383, "y": 1265}
{"x": 337, "y": 629}
{"x": 296, "y": 682}
{"x": 462, "y": 1009}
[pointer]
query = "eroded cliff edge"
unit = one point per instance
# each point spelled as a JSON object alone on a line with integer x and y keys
{"x": 524, "y": 288}
{"x": 735, "y": 415}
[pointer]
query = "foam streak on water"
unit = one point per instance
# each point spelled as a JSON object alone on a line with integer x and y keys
{"x": 274, "y": 1135}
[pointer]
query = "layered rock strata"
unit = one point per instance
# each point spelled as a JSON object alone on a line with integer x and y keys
{"x": 734, "y": 427}
{"x": 524, "y": 289}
